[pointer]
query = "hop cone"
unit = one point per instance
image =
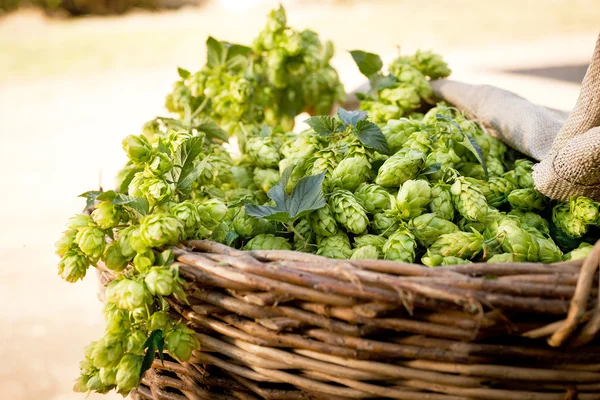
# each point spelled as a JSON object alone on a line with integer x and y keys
{"x": 113, "y": 257}
{"x": 159, "y": 320}
{"x": 494, "y": 166}
{"x": 419, "y": 141}
{"x": 468, "y": 200}
{"x": 472, "y": 170}
{"x": 567, "y": 222}
{"x": 403, "y": 95}
{"x": 427, "y": 228}
{"x": 247, "y": 226}
{"x": 499, "y": 189}
{"x": 160, "y": 229}
{"x": 365, "y": 252}
{"x": 160, "y": 281}
{"x": 138, "y": 148}
{"x": 445, "y": 156}
{"x": 580, "y": 252}
{"x": 181, "y": 342}
{"x": 533, "y": 220}
{"x": 518, "y": 241}
{"x": 348, "y": 211}
{"x": 335, "y": 246}
{"x": 502, "y": 258}
{"x": 374, "y": 198}
{"x": 106, "y": 215}
{"x": 458, "y": 244}
{"x": 322, "y": 222}
{"x": 267, "y": 241}
{"x": 324, "y": 161}
{"x": 413, "y": 197}
{"x": 129, "y": 295}
{"x": 441, "y": 201}
{"x": 304, "y": 236}
{"x": 211, "y": 212}
{"x": 265, "y": 178}
{"x": 397, "y": 132}
{"x": 135, "y": 342}
{"x": 351, "y": 172}
{"x": 263, "y": 152}
{"x": 65, "y": 242}
{"x": 468, "y": 226}
{"x": 523, "y": 173}
{"x": 73, "y": 266}
{"x": 186, "y": 213}
{"x": 430, "y": 64}
{"x": 400, "y": 167}
{"x": 527, "y": 199}
{"x": 369, "y": 240}
{"x": 128, "y": 373}
{"x": 241, "y": 176}
{"x": 108, "y": 351}
{"x": 584, "y": 209}
{"x": 400, "y": 246}
{"x": 549, "y": 251}
{"x": 436, "y": 260}
{"x": 384, "y": 224}
{"x": 144, "y": 260}
{"x": 91, "y": 241}
{"x": 158, "y": 165}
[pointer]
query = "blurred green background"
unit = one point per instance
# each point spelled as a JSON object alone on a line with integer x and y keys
{"x": 72, "y": 87}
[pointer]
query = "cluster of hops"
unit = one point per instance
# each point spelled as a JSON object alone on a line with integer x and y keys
{"x": 283, "y": 73}
{"x": 405, "y": 89}
{"x": 432, "y": 188}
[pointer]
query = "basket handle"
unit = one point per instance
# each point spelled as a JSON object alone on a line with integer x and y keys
{"x": 578, "y": 306}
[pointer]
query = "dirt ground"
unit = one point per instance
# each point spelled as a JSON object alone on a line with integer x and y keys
{"x": 71, "y": 90}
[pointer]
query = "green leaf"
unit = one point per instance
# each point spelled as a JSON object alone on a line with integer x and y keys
{"x": 237, "y": 63}
{"x": 108, "y": 195}
{"x": 185, "y": 156}
{"x": 230, "y": 237}
{"x": 267, "y": 212}
{"x": 215, "y": 52}
{"x": 469, "y": 143}
{"x": 91, "y": 197}
{"x": 370, "y": 134}
{"x": 236, "y": 50}
{"x": 433, "y": 168}
{"x": 306, "y": 196}
{"x": 137, "y": 205}
{"x": 185, "y": 182}
{"x": 368, "y": 63}
{"x": 322, "y": 124}
{"x": 154, "y": 343}
{"x": 379, "y": 82}
{"x": 183, "y": 73}
{"x": 211, "y": 129}
{"x": 165, "y": 258}
{"x": 351, "y": 117}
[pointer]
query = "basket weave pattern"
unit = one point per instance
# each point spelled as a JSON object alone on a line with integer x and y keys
{"x": 288, "y": 325}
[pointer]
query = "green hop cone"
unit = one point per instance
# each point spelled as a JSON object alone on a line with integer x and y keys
{"x": 160, "y": 320}
{"x": 65, "y": 242}
{"x": 91, "y": 241}
{"x": 158, "y": 165}
{"x": 468, "y": 226}
{"x": 468, "y": 200}
{"x": 384, "y": 224}
{"x": 160, "y": 229}
{"x": 579, "y": 253}
{"x": 567, "y": 222}
{"x": 159, "y": 281}
{"x": 446, "y": 157}
{"x": 117, "y": 321}
{"x": 108, "y": 351}
{"x": 527, "y": 200}
{"x": 430, "y": 64}
{"x": 404, "y": 95}
{"x": 549, "y": 251}
{"x": 532, "y": 220}
{"x": 374, "y": 198}
{"x": 499, "y": 189}
{"x": 436, "y": 260}
{"x": 351, "y": 172}
{"x": 323, "y": 161}
{"x": 263, "y": 152}
{"x": 247, "y": 226}
{"x": 408, "y": 74}
{"x": 156, "y": 190}
{"x": 138, "y": 148}
{"x": 348, "y": 211}
{"x": 400, "y": 167}
{"x": 335, "y": 246}
{"x": 267, "y": 241}
{"x": 419, "y": 141}
{"x": 523, "y": 173}
{"x": 134, "y": 343}
{"x": 584, "y": 209}
{"x": 370, "y": 240}
{"x": 113, "y": 258}
{"x": 80, "y": 385}
{"x": 124, "y": 238}
{"x": 427, "y": 228}
{"x": 94, "y": 383}
{"x": 322, "y": 222}
{"x": 265, "y": 178}
{"x": 73, "y": 266}
{"x": 211, "y": 212}
{"x": 397, "y": 132}
{"x": 518, "y": 241}
{"x": 368, "y": 252}
{"x": 441, "y": 201}
{"x": 304, "y": 236}
{"x": 108, "y": 376}
{"x": 181, "y": 342}
{"x": 129, "y": 295}
{"x": 241, "y": 176}
{"x": 400, "y": 246}
{"x": 144, "y": 260}
{"x": 471, "y": 170}
{"x": 464, "y": 245}
{"x": 494, "y": 166}
{"x": 80, "y": 221}
{"x": 106, "y": 215}
{"x": 413, "y": 197}
{"x": 501, "y": 258}
{"x": 186, "y": 213}
{"x": 129, "y": 373}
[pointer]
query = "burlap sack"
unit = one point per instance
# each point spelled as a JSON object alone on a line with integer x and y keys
{"x": 569, "y": 152}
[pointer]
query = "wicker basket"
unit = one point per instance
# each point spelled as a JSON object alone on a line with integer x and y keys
{"x": 289, "y": 325}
